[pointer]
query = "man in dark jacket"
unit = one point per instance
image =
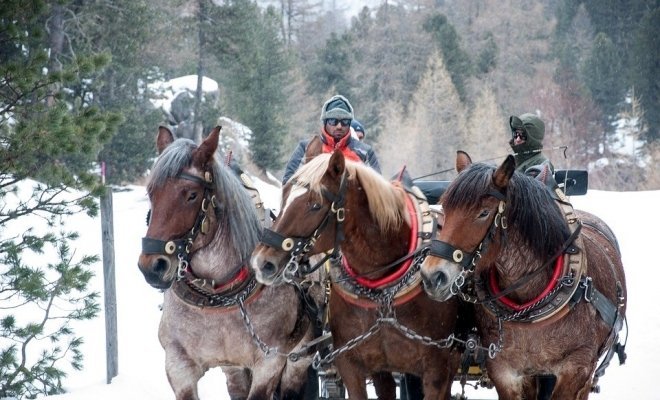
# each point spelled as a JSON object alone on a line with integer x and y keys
{"x": 527, "y": 132}
{"x": 336, "y": 118}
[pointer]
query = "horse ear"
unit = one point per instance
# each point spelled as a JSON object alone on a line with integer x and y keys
{"x": 463, "y": 160}
{"x": 504, "y": 172}
{"x": 163, "y": 139}
{"x": 336, "y": 165}
{"x": 206, "y": 150}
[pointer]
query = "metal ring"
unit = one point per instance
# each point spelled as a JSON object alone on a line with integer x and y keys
{"x": 170, "y": 247}
{"x": 287, "y": 244}
{"x": 457, "y": 256}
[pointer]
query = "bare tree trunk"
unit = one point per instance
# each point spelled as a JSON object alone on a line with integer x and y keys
{"x": 197, "y": 117}
{"x": 56, "y": 37}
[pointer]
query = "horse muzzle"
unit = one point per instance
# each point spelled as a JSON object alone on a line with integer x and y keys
{"x": 266, "y": 265}
{"x": 439, "y": 278}
{"x": 155, "y": 269}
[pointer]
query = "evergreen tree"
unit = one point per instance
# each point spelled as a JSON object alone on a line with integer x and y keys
{"x": 456, "y": 60}
{"x": 257, "y": 71}
{"x": 602, "y": 75}
{"x": 646, "y": 70}
{"x": 51, "y": 131}
{"x": 330, "y": 69}
{"x": 124, "y": 30}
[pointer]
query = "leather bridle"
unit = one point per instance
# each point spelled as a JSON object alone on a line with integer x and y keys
{"x": 299, "y": 247}
{"x": 181, "y": 247}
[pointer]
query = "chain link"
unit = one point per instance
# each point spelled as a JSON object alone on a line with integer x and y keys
{"x": 267, "y": 350}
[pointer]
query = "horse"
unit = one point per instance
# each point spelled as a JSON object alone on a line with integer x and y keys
{"x": 380, "y": 320}
{"x": 547, "y": 281}
{"x": 202, "y": 229}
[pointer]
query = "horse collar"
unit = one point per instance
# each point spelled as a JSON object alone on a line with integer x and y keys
{"x": 207, "y": 293}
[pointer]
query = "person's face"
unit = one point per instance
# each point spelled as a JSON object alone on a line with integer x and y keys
{"x": 519, "y": 136}
{"x": 360, "y": 135}
{"x": 337, "y": 128}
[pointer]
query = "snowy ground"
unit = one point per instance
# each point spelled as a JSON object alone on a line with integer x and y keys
{"x": 632, "y": 215}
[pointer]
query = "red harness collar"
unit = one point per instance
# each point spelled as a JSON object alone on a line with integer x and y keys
{"x": 237, "y": 280}
{"x": 495, "y": 288}
{"x": 403, "y": 268}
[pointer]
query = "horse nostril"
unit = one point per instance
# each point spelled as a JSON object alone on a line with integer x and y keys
{"x": 160, "y": 266}
{"x": 268, "y": 269}
{"x": 436, "y": 280}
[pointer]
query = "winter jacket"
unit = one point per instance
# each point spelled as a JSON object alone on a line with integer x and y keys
{"x": 529, "y": 154}
{"x": 350, "y": 146}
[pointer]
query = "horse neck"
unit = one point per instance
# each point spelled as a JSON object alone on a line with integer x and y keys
{"x": 218, "y": 259}
{"x": 368, "y": 248}
{"x": 515, "y": 261}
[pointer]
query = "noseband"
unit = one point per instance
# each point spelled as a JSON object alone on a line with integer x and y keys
{"x": 182, "y": 246}
{"x": 298, "y": 247}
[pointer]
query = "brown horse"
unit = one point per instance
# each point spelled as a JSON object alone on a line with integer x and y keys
{"x": 380, "y": 319}
{"x": 547, "y": 280}
{"x": 203, "y": 227}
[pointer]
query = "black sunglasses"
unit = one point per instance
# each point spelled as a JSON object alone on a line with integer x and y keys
{"x": 335, "y": 121}
{"x": 518, "y": 134}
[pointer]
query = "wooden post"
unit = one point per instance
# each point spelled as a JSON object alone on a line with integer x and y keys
{"x": 110, "y": 297}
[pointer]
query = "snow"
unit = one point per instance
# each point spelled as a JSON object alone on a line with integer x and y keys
{"x": 166, "y": 92}
{"x": 141, "y": 359}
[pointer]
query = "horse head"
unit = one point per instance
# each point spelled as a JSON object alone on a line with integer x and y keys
{"x": 473, "y": 205}
{"x": 181, "y": 192}
{"x": 312, "y": 205}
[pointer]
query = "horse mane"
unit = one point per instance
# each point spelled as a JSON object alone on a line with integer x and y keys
{"x": 531, "y": 210}
{"x": 238, "y": 216}
{"x": 386, "y": 203}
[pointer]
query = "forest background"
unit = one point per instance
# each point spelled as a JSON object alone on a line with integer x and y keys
{"x": 78, "y": 86}
{"x": 425, "y": 77}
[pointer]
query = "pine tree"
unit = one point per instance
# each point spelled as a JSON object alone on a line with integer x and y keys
{"x": 51, "y": 131}
{"x": 456, "y": 60}
{"x": 257, "y": 70}
{"x": 602, "y": 75}
{"x": 646, "y": 69}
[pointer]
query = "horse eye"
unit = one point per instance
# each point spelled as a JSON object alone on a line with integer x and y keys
{"x": 192, "y": 196}
{"x": 484, "y": 214}
{"x": 316, "y": 207}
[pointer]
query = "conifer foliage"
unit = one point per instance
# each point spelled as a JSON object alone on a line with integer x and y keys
{"x": 51, "y": 132}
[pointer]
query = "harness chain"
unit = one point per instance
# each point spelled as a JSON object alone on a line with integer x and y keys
{"x": 387, "y": 315}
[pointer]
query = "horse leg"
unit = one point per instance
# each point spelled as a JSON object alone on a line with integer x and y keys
{"x": 266, "y": 376}
{"x": 182, "y": 373}
{"x": 238, "y": 382}
{"x": 385, "y": 385}
{"x": 355, "y": 380}
{"x": 299, "y": 380}
{"x": 573, "y": 383}
{"x": 508, "y": 383}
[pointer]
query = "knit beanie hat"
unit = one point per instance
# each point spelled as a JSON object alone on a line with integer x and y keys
{"x": 337, "y": 107}
{"x": 357, "y": 126}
